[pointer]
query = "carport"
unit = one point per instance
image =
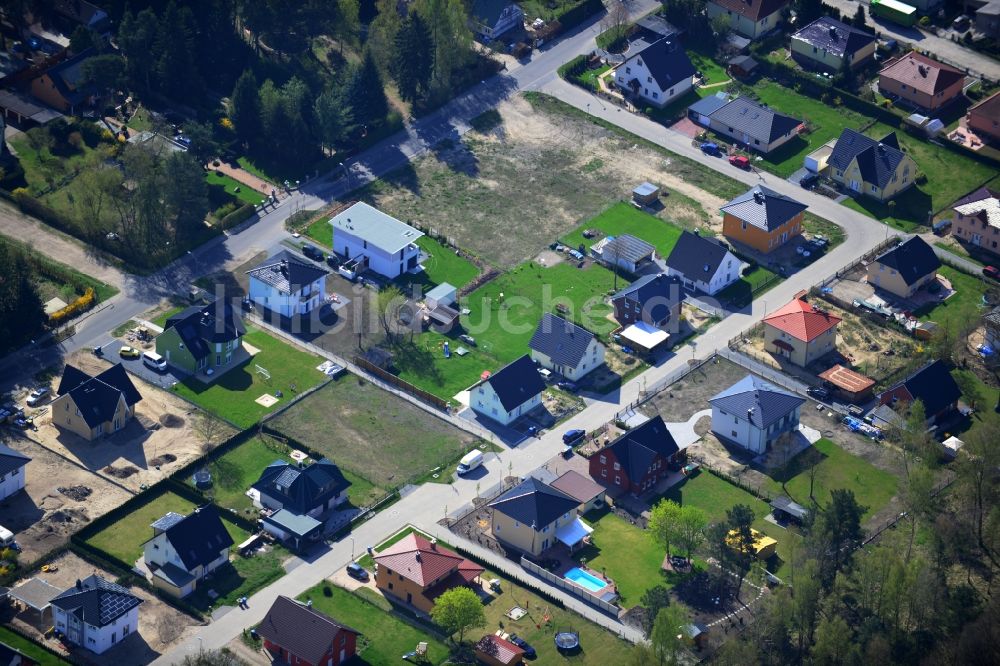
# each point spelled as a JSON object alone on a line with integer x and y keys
{"x": 23, "y": 109}
{"x": 34, "y": 594}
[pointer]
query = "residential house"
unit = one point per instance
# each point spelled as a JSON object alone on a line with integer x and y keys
{"x": 497, "y": 651}
{"x": 375, "y": 240}
{"x": 565, "y": 348}
{"x": 514, "y": 390}
{"x": 94, "y": 406}
{"x": 62, "y": 86}
{"x": 752, "y": 125}
{"x": 832, "y": 45}
{"x": 702, "y": 110}
{"x": 624, "y": 251}
{"x": 186, "y": 549}
{"x": 741, "y": 66}
{"x": 82, "y": 12}
{"x": 656, "y": 73}
{"x": 750, "y": 18}
{"x": 203, "y": 338}
{"x": 417, "y": 570}
{"x": 784, "y": 509}
{"x": 638, "y": 459}
{"x": 583, "y": 489}
{"x": 754, "y": 413}
{"x": 288, "y": 285}
{"x": 12, "y": 466}
{"x": 762, "y": 219}
{"x": 11, "y": 657}
{"x": 988, "y": 19}
{"x": 645, "y": 194}
{"x": 653, "y": 300}
{"x": 800, "y": 332}
{"x": 295, "y": 633}
{"x": 703, "y": 264}
{"x": 905, "y": 268}
{"x": 991, "y": 322}
{"x": 875, "y": 168}
{"x": 932, "y": 385}
{"x": 95, "y": 614}
{"x": 977, "y": 219}
{"x": 492, "y": 18}
{"x": 920, "y": 81}
{"x": 440, "y": 304}
{"x": 533, "y": 516}
{"x": 299, "y": 497}
{"x": 983, "y": 118}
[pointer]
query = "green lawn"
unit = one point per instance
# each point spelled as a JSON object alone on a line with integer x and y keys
{"x": 385, "y": 634}
{"x": 246, "y": 575}
{"x": 962, "y": 307}
{"x": 29, "y": 649}
{"x": 233, "y": 395}
{"x": 742, "y": 292}
{"x": 624, "y": 218}
{"x": 244, "y": 193}
{"x": 710, "y": 69}
{"x": 984, "y": 414}
{"x": 590, "y": 76}
{"x": 813, "y": 224}
{"x": 124, "y": 538}
{"x": 41, "y": 165}
{"x": 368, "y": 563}
{"x": 958, "y": 250}
{"x": 161, "y": 319}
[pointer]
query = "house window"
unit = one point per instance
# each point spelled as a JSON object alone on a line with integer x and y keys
{"x": 604, "y": 459}
{"x": 649, "y": 79}
{"x": 617, "y": 467}
{"x": 604, "y": 473}
{"x": 655, "y": 94}
{"x": 744, "y": 225}
{"x": 733, "y": 433}
{"x": 628, "y": 70}
{"x": 618, "y": 480}
{"x": 756, "y": 141}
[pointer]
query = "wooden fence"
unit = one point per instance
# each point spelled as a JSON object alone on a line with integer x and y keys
{"x": 401, "y": 384}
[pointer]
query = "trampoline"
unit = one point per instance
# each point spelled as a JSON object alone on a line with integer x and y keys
{"x": 567, "y": 639}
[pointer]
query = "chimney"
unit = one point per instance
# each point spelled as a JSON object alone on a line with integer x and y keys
{"x": 758, "y": 196}
{"x": 417, "y": 556}
{"x": 881, "y": 147}
{"x": 434, "y": 544}
{"x": 309, "y": 603}
{"x": 749, "y": 413}
{"x": 833, "y": 32}
{"x": 79, "y": 584}
{"x": 801, "y": 295}
{"x": 923, "y": 70}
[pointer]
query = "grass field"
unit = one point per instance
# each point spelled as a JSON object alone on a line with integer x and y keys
{"x": 244, "y": 193}
{"x": 624, "y": 218}
{"x": 982, "y": 417}
{"x": 161, "y": 319}
{"x": 124, "y": 538}
{"x": 232, "y": 396}
{"x": 372, "y": 433}
{"x": 29, "y": 649}
{"x": 741, "y": 292}
{"x": 963, "y": 307}
{"x": 712, "y": 71}
{"x": 244, "y": 577}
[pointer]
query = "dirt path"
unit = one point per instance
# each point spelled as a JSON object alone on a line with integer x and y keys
{"x": 56, "y": 245}
{"x": 247, "y": 178}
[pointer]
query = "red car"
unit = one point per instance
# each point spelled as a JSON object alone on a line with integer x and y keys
{"x": 991, "y": 272}
{"x": 740, "y": 161}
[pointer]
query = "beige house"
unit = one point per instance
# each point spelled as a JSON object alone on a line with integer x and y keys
{"x": 800, "y": 332}
{"x": 750, "y": 18}
{"x": 186, "y": 549}
{"x": 905, "y": 268}
{"x": 533, "y": 517}
{"x": 417, "y": 571}
{"x": 977, "y": 219}
{"x": 92, "y": 407}
{"x": 878, "y": 169}
{"x": 830, "y": 45}
{"x": 921, "y": 81}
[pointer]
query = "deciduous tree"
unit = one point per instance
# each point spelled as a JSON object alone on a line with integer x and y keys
{"x": 665, "y": 523}
{"x": 458, "y": 610}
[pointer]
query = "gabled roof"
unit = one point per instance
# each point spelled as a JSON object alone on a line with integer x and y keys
{"x": 834, "y": 36}
{"x": 639, "y": 447}
{"x": 489, "y": 11}
{"x": 381, "y": 230}
{"x": 286, "y": 272}
{"x": 201, "y": 325}
{"x": 578, "y": 486}
{"x": 706, "y": 106}
{"x": 922, "y": 73}
{"x": 763, "y": 208}
{"x": 97, "y": 397}
{"x": 756, "y": 400}
{"x": 198, "y": 538}
{"x": 301, "y": 630}
{"x": 302, "y": 489}
{"x": 626, "y": 247}
{"x": 745, "y": 115}
{"x": 417, "y": 559}
{"x": 696, "y": 257}
{"x": 562, "y": 341}
{"x": 96, "y": 602}
{"x": 11, "y": 460}
{"x": 932, "y": 385}
{"x": 983, "y": 204}
{"x": 658, "y": 285}
{"x": 516, "y": 383}
{"x": 913, "y": 259}
{"x": 801, "y": 320}
{"x": 499, "y": 649}
{"x": 754, "y": 10}
{"x": 877, "y": 160}
{"x": 67, "y": 78}
{"x": 989, "y": 107}
{"x": 846, "y": 379}
{"x": 666, "y": 61}
{"x": 534, "y": 503}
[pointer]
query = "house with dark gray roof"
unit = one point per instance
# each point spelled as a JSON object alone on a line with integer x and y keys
{"x": 12, "y": 466}
{"x": 830, "y": 45}
{"x": 754, "y": 413}
{"x": 703, "y": 264}
{"x": 96, "y": 614}
{"x": 653, "y": 300}
{"x": 204, "y": 339}
{"x": 933, "y": 385}
{"x": 904, "y": 269}
{"x": 186, "y": 549}
{"x": 656, "y": 74}
{"x": 490, "y": 19}
{"x": 295, "y": 633}
{"x": 653, "y": 27}
{"x": 702, "y": 110}
{"x": 638, "y": 460}
{"x": 624, "y": 251}
{"x": 565, "y": 348}
{"x": 875, "y": 168}
{"x": 752, "y": 125}
{"x": 309, "y": 490}
{"x": 762, "y": 219}
{"x": 287, "y": 284}
{"x": 93, "y": 407}
{"x": 509, "y": 393}
{"x": 533, "y": 517}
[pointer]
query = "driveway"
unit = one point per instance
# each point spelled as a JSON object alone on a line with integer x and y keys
{"x": 164, "y": 380}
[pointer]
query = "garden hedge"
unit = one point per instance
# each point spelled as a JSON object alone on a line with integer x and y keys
{"x": 238, "y": 216}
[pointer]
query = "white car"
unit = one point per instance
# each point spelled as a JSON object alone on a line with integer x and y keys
{"x": 37, "y": 397}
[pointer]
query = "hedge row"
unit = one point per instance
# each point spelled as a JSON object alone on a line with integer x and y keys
{"x": 81, "y": 304}
{"x": 32, "y": 206}
{"x": 578, "y": 14}
{"x": 238, "y": 216}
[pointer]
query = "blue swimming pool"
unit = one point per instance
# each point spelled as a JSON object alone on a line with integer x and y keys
{"x": 585, "y": 580}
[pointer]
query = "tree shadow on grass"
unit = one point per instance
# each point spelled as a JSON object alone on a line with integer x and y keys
{"x": 408, "y": 356}
{"x": 800, "y": 464}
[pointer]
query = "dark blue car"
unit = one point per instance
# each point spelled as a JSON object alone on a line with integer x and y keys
{"x": 710, "y": 148}
{"x": 571, "y": 436}
{"x": 529, "y": 652}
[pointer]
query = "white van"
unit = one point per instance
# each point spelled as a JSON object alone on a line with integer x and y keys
{"x": 6, "y": 537}
{"x": 469, "y": 462}
{"x": 153, "y": 360}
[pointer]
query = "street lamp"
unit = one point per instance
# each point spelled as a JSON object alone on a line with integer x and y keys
{"x": 352, "y": 549}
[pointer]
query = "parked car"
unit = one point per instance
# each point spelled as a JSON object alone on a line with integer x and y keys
{"x": 573, "y": 435}
{"x": 740, "y": 161}
{"x": 529, "y": 652}
{"x": 991, "y": 272}
{"x": 332, "y": 261}
{"x": 710, "y": 148}
{"x": 357, "y": 572}
{"x": 37, "y": 397}
{"x": 128, "y": 352}
{"x": 818, "y": 392}
{"x": 809, "y": 180}
{"x": 567, "y": 385}
{"x": 312, "y": 252}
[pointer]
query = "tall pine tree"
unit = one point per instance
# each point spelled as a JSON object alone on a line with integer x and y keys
{"x": 244, "y": 108}
{"x": 414, "y": 61}
{"x": 366, "y": 91}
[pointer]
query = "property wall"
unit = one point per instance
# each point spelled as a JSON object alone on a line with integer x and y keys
{"x": 757, "y": 238}
{"x": 65, "y": 414}
{"x": 380, "y": 261}
{"x": 924, "y": 100}
{"x": 742, "y": 24}
{"x": 974, "y": 231}
{"x": 523, "y": 537}
{"x": 883, "y": 277}
{"x": 11, "y": 483}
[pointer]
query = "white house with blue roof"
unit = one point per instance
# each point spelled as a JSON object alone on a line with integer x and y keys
{"x": 656, "y": 74}
{"x": 509, "y": 393}
{"x": 185, "y": 549}
{"x": 379, "y": 241}
{"x": 565, "y": 348}
{"x": 754, "y": 413}
{"x": 96, "y": 614}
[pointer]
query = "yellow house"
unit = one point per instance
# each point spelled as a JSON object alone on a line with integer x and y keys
{"x": 800, "y": 332}
{"x": 878, "y": 169}
{"x": 417, "y": 571}
{"x": 533, "y": 517}
{"x": 829, "y": 44}
{"x": 905, "y": 268}
{"x": 762, "y": 219}
{"x": 750, "y": 18}
{"x": 94, "y": 406}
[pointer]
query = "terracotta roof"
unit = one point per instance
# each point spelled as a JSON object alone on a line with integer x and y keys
{"x": 417, "y": 559}
{"x": 922, "y": 73}
{"x": 801, "y": 320}
{"x": 752, "y": 9}
{"x": 989, "y": 107}
{"x": 847, "y": 379}
{"x": 502, "y": 650}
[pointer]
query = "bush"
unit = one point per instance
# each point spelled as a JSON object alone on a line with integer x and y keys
{"x": 238, "y": 216}
{"x": 81, "y": 304}
{"x": 920, "y": 178}
{"x": 573, "y": 68}
{"x": 577, "y": 14}
{"x": 925, "y": 21}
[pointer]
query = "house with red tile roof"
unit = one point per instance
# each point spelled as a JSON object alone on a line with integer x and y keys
{"x": 921, "y": 81}
{"x": 294, "y": 633}
{"x": 800, "y": 332}
{"x": 417, "y": 570}
{"x": 496, "y": 651}
{"x": 984, "y": 118}
{"x": 750, "y": 18}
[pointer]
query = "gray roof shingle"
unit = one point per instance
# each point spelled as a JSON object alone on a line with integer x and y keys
{"x": 11, "y": 460}
{"x": 912, "y": 259}
{"x": 533, "y": 502}
{"x": 759, "y": 122}
{"x": 628, "y": 248}
{"x": 668, "y": 64}
{"x": 97, "y": 397}
{"x": 200, "y": 325}
{"x": 198, "y": 538}
{"x": 764, "y": 208}
{"x": 301, "y": 630}
{"x": 932, "y": 385}
{"x": 516, "y": 382}
{"x": 759, "y": 401}
{"x": 877, "y": 160}
{"x": 286, "y": 272}
{"x": 562, "y": 341}
{"x": 696, "y": 257}
{"x": 96, "y": 601}
{"x": 834, "y": 36}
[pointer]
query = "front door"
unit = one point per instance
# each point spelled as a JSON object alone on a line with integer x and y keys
{"x": 409, "y": 598}
{"x": 856, "y": 186}
{"x": 976, "y": 239}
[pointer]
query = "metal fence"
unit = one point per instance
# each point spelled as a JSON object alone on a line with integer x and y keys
{"x": 570, "y": 587}
{"x": 659, "y": 387}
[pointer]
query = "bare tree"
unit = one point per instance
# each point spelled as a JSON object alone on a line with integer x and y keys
{"x": 616, "y": 23}
{"x": 209, "y": 429}
{"x": 391, "y": 303}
